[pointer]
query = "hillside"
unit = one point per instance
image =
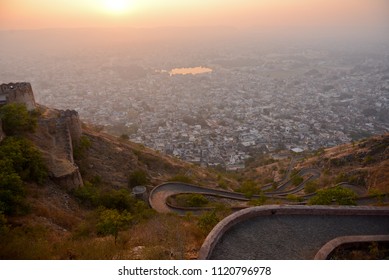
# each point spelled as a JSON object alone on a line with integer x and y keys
{"x": 363, "y": 163}
{"x": 72, "y": 218}
{"x": 62, "y": 215}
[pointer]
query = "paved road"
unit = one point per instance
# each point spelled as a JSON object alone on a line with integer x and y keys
{"x": 161, "y": 193}
{"x": 294, "y": 237}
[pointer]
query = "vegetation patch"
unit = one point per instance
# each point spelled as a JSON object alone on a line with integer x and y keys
{"x": 19, "y": 161}
{"x": 17, "y": 120}
{"x": 189, "y": 200}
{"x": 249, "y": 188}
{"x": 138, "y": 178}
{"x": 336, "y": 195}
{"x": 361, "y": 251}
{"x": 181, "y": 178}
{"x": 81, "y": 148}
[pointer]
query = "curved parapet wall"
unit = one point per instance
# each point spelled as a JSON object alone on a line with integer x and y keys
{"x": 337, "y": 214}
{"x": 329, "y": 247}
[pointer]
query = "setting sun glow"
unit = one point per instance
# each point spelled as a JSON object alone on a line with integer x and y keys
{"x": 36, "y": 14}
{"x": 117, "y": 6}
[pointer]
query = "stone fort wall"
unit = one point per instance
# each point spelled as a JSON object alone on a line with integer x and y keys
{"x": 55, "y": 136}
{"x": 18, "y": 93}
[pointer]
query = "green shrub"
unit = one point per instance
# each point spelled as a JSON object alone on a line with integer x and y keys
{"x": 337, "y": 195}
{"x": 16, "y": 119}
{"x": 117, "y": 199}
{"x": 311, "y": 187}
{"x": 208, "y": 221}
{"x": 138, "y": 178}
{"x": 111, "y": 221}
{"x": 88, "y": 194}
{"x": 182, "y": 179}
{"x": 80, "y": 148}
{"x": 19, "y": 161}
{"x": 3, "y": 223}
{"x": 26, "y": 159}
{"x": 258, "y": 201}
{"x": 191, "y": 200}
{"x": 249, "y": 188}
{"x": 124, "y": 137}
{"x": 222, "y": 183}
{"x": 294, "y": 198}
{"x": 297, "y": 180}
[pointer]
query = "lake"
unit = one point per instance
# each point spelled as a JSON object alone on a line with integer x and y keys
{"x": 192, "y": 70}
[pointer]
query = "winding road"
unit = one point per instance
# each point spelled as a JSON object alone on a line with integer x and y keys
{"x": 159, "y": 195}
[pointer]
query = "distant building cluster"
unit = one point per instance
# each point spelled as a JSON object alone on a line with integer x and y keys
{"x": 261, "y": 102}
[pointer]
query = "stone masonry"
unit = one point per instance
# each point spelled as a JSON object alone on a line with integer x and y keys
{"x": 17, "y": 93}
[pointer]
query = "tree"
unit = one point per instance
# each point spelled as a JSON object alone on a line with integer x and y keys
{"x": 16, "y": 119}
{"x": 117, "y": 199}
{"x": 80, "y": 148}
{"x": 26, "y": 160}
{"x": 337, "y": 195}
{"x": 138, "y": 178}
{"x": 249, "y": 188}
{"x": 208, "y": 221}
{"x": 111, "y": 221}
{"x": 11, "y": 188}
{"x": 124, "y": 136}
{"x": 310, "y": 186}
{"x": 3, "y": 223}
{"x": 297, "y": 180}
{"x": 191, "y": 200}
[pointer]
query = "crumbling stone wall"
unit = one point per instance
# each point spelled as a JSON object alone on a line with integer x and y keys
{"x": 55, "y": 136}
{"x": 72, "y": 120}
{"x": 19, "y": 93}
{"x": 55, "y": 139}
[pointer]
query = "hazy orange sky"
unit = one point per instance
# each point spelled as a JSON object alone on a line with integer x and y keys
{"x": 36, "y": 14}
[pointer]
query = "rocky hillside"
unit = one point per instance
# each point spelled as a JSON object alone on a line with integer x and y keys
{"x": 363, "y": 163}
{"x": 91, "y": 174}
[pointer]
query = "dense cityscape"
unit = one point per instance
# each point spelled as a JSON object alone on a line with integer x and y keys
{"x": 288, "y": 99}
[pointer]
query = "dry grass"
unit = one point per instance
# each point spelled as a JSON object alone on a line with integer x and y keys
{"x": 161, "y": 237}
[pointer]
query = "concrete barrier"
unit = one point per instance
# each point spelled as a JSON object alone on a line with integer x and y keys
{"x": 329, "y": 247}
{"x": 218, "y": 231}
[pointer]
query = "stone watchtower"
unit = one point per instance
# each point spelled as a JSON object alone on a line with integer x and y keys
{"x": 17, "y": 93}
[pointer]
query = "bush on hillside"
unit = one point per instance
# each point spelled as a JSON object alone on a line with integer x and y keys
{"x": 19, "y": 161}
{"x": 17, "y": 120}
{"x": 26, "y": 160}
{"x": 337, "y": 195}
{"x": 138, "y": 178}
